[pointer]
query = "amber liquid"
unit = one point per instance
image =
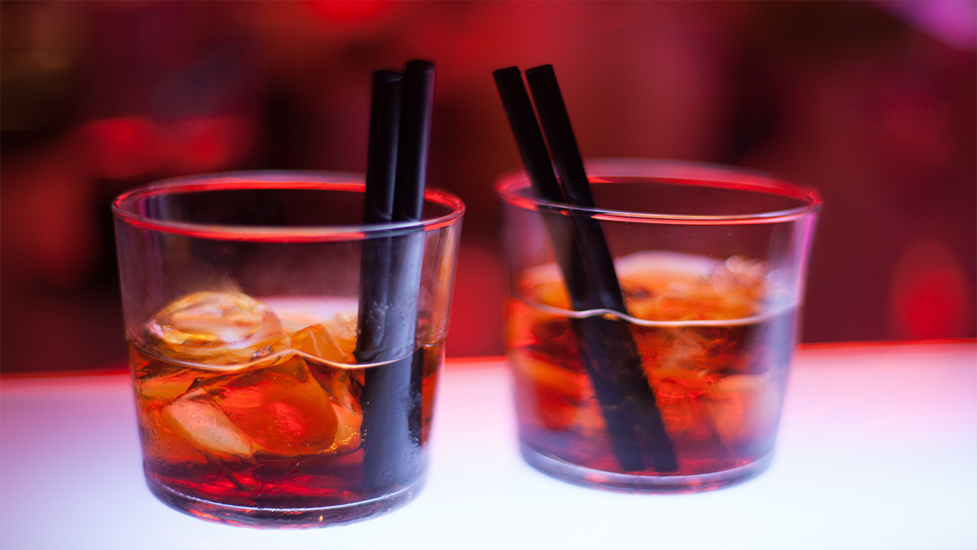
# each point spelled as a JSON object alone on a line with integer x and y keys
{"x": 714, "y": 355}
{"x": 282, "y": 432}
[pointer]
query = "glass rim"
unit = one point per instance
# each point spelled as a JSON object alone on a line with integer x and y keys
{"x": 699, "y": 174}
{"x": 277, "y": 179}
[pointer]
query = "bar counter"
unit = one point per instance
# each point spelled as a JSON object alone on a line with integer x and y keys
{"x": 877, "y": 449}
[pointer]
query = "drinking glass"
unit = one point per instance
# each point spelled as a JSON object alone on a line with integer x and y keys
{"x": 284, "y": 355}
{"x": 682, "y": 388}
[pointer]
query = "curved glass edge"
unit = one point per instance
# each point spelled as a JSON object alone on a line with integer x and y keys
{"x": 280, "y": 179}
{"x": 642, "y": 483}
{"x": 510, "y": 184}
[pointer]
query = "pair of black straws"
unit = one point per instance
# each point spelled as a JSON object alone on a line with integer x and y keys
{"x": 400, "y": 121}
{"x": 391, "y": 270}
{"x": 607, "y": 347}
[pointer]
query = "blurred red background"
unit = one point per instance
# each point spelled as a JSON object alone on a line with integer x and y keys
{"x": 873, "y": 103}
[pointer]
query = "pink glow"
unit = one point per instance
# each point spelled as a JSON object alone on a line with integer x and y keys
{"x": 348, "y": 11}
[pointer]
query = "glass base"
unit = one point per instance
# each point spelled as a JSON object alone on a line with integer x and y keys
{"x": 282, "y": 518}
{"x": 630, "y": 483}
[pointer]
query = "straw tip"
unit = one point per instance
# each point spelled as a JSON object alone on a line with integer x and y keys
{"x": 420, "y": 65}
{"x": 386, "y": 75}
{"x": 541, "y": 69}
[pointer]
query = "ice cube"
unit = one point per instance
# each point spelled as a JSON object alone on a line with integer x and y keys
{"x": 675, "y": 287}
{"x": 278, "y": 409}
{"x": 743, "y": 405}
{"x": 281, "y": 408}
{"x": 198, "y": 420}
{"x": 167, "y": 386}
{"x": 217, "y": 328}
{"x": 343, "y": 328}
{"x": 678, "y": 409}
{"x": 740, "y": 279}
{"x": 558, "y": 394}
{"x": 683, "y": 348}
{"x": 553, "y": 294}
{"x": 347, "y": 431}
{"x": 318, "y": 342}
{"x": 543, "y": 373}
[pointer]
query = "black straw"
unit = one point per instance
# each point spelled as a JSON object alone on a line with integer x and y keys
{"x": 559, "y": 134}
{"x": 382, "y": 152}
{"x": 529, "y": 139}
{"x": 576, "y": 187}
{"x": 607, "y": 346}
{"x": 378, "y": 208}
{"x": 391, "y": 275}
{"x": 415, "y": 128}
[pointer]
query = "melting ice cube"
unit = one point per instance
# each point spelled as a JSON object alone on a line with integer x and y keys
{"x": 740, "y": 279}
{"x": 743, "y": 405}
{"x": 198, "y": 421}
{"x": 278, "y": 409}
{"x": 217, "y": 328}
{"x": 316, "y": 341}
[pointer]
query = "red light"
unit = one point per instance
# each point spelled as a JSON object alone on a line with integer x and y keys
{"x": 929, "y": 293}
{"x": 208, "y": 143}
{"x": 932, "y": 304}
{"x": 204, "y": 145}
{"x": 344, "y": 11}
{"x": 124, "y": 147}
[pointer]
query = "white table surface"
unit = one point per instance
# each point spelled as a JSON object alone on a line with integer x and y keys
{"x": 878, "y": 449}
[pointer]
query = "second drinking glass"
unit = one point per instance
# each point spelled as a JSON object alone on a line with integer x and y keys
{"x": 681, "y": 390}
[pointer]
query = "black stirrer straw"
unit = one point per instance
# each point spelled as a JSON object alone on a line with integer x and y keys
{"x": 609, "y": 353}
{"x": 415, "y": 128}
{"x": 390, "y": 279}
{"x": 378, "y": 208}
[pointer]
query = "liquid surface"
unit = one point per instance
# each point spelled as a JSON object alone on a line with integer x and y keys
{"x": 714, "y": 338}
